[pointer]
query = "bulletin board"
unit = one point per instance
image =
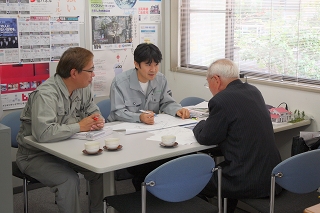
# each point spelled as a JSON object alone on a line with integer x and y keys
{"x": 117, "y": 28}
{"x": 34, "y": 34}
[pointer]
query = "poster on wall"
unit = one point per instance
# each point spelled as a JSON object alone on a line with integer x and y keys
{"x": 35, "y": 31}
{"x": 149, "y": 34}
{"x": 117, "y": 28}
{"x": 34, "y": 39}
{"x": 111, "y": 32}
{"x": 64, "y": 33}
{"x": 9, "y": 40}
{"x": 150, "y": 11}
{"x": 18, "y": 80}
{"x": 117, "y": 60}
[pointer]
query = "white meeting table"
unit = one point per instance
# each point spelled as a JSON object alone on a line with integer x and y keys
{"x": 136, "y": 150}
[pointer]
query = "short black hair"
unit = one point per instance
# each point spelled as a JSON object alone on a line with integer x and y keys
{"x": 147, "y": 52}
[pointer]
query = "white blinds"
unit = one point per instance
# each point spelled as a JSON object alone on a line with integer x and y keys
{"x": 272, "y": 39}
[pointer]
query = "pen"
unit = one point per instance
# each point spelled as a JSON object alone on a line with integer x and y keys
{"x": 144, "y": 111}
{"x": 147, "y": 112}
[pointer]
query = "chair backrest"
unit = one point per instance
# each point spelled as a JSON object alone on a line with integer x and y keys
{"x": 12, "y": 120}
{"x": 180, "y": 179}
{"x": 299, "y": 173}
{"x": 105, "y": 107}
{"x": 190, "y": 101}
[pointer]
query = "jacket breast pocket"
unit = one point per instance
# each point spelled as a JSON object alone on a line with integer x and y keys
{"x": 133, "y": 105}
{"x": 61, "y": 114}
{"x": 154, "y": 104}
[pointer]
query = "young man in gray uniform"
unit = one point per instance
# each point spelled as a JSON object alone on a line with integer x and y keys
{"x": 143, "y": 88}
{"x": 57, "y": 109}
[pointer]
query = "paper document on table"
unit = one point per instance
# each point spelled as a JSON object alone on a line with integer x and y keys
{"x": 183, "y": 135}
{"x": 199, "y": 110}
{"x": 202, "y": 105}
{"x": 161, "y": 121}
{"x": 93, "y": 135}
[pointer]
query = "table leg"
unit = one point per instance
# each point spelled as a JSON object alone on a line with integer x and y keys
{"x": 109, "y": 188}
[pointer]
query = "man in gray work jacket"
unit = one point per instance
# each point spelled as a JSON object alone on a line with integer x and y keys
{"x": 143, "y": 89}
{"x": 57, "y": 109}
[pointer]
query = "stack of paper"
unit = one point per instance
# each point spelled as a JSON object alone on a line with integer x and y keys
{"x": 199, "y": 110}
{"x": 161, "y": 121}
{"x": 93, "y": 135}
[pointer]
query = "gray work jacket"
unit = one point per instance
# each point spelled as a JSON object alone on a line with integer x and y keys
{"x": 127, "y": 97}
{"x": 51, "y": 114}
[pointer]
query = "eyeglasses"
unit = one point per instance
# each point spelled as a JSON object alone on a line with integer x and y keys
{"x": 207, "y": 84}
{"x": 92, "y": 70}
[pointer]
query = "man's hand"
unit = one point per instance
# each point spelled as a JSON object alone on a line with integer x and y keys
{"x": 147, "y": 118}
{"x": 183, "y": 113}
{"x": 92, "y": 122}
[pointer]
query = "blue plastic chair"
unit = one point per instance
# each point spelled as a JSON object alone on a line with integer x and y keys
{"x": 172, "y": 187}
{"x": 299, "y": 176}
{"x": 12, "y": 120}
{"x": 191, "y": 101}
{"x": 105, "y": 107}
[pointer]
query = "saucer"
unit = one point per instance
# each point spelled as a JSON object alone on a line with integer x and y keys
{"x": 174, "y": 145}
{"x": 95, "y": 153}
{"x": 118, "y": 148}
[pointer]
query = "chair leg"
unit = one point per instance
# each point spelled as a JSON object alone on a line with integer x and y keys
{"x": 87, "y": 187}
{"x": 225, "y": 205}
{"x": 25, "y": 195}
{"x": 143, "y": 197}
{"x": 88, "y": 193}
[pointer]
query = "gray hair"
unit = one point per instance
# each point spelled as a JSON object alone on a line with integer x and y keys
{"x": 224, "y": 68}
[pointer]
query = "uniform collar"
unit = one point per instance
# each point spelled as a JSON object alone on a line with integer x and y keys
{"x": 134, "y": 82}
{"x": 63, "y": 88}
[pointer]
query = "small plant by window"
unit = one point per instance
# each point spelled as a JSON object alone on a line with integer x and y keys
{"x": 297, "y": 116}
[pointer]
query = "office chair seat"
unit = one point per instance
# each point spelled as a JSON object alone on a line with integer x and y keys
{"x": 285, "y": 202}
{"x": 12, "y": 120}
{"x": 17, "y": 173}
{"x": 299, "y": 176}
{"x": 172, "y": 187}
{"x": 133, "y": 204}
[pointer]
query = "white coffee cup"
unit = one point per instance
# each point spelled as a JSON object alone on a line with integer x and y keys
{"x": 112, "y": 143}
{"x": 168, "y": 140}
{"x": 92, "y": 146}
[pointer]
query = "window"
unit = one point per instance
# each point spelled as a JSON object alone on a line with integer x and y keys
{"x": 269, "y": 39}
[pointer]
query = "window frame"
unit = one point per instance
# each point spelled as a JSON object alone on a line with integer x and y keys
{"x": 266, "y": 79}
